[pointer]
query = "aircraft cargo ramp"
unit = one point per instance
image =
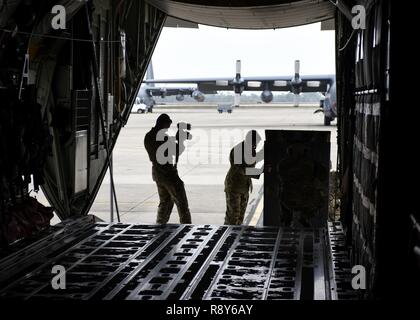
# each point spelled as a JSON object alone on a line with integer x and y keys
{"x": 181, "y": 262}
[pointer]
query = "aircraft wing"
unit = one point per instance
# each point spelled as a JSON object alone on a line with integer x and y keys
{"x": 167, "y": 91}
{"x": 205, "y": 85}
{"x": 311, "y": 83}
{"x": 317, "y": 83}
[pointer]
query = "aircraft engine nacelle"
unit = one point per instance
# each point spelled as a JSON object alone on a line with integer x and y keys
{"x": 198, "y": 96}
{"x": 179, "y": 97}
{"x": 163, "y": 93}
{"x": 266, "y": 96}
{"x": 296, "y": 85}
{"x": 296, "y": 81}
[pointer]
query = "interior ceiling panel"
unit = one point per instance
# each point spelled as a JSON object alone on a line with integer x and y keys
{"x": 248, "y": 15}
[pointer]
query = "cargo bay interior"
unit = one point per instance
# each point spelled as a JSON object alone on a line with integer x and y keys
{"x": 204, "y": 163}
{"x": 64, "y": 103}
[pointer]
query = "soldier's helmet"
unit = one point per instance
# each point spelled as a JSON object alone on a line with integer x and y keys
{"x": 163, "y": 120}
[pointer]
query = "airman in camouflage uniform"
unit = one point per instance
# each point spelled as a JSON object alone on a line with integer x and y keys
{"x": 170, "y": 186}
{"x": 238, "y": 182}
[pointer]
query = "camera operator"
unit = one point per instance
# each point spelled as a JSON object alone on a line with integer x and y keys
{"x": 164, "y": 152}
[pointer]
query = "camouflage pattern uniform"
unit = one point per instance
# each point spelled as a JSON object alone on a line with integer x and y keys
{"x": 237, "y": 188}
{"x": 170, "y": 186}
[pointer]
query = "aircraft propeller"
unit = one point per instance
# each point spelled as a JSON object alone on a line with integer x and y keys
{"x": 296, "y": 84}
{"x": 238, "y": 84}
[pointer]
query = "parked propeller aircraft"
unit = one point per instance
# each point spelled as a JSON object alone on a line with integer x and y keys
{"x": 145, "y": 100}
{"x": 296, "y": 84}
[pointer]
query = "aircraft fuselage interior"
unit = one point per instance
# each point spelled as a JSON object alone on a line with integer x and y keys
{"x": 70, "y": 73}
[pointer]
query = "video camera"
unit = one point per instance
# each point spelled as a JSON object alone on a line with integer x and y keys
{"x": 185, "y": 129}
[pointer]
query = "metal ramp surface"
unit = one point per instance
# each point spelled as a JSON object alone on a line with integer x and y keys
{"x": 182, "y": 262}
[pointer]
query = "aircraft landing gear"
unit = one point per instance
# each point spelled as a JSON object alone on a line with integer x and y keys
{"x": 327, "y": 121}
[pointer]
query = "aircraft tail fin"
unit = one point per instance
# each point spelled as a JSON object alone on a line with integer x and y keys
{"x": 149, "y": 73}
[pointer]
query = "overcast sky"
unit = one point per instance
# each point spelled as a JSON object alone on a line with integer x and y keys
{"x": 212, "y": 52}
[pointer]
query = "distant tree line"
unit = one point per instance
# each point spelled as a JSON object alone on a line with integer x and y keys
{"x": 246, "y": 98}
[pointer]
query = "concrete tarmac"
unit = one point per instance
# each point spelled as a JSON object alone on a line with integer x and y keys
{"x": 136, "y": 191}
{"x": 203, "y": 166}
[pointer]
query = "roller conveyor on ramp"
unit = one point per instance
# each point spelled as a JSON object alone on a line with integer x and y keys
{"x": 146, "y": 262}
